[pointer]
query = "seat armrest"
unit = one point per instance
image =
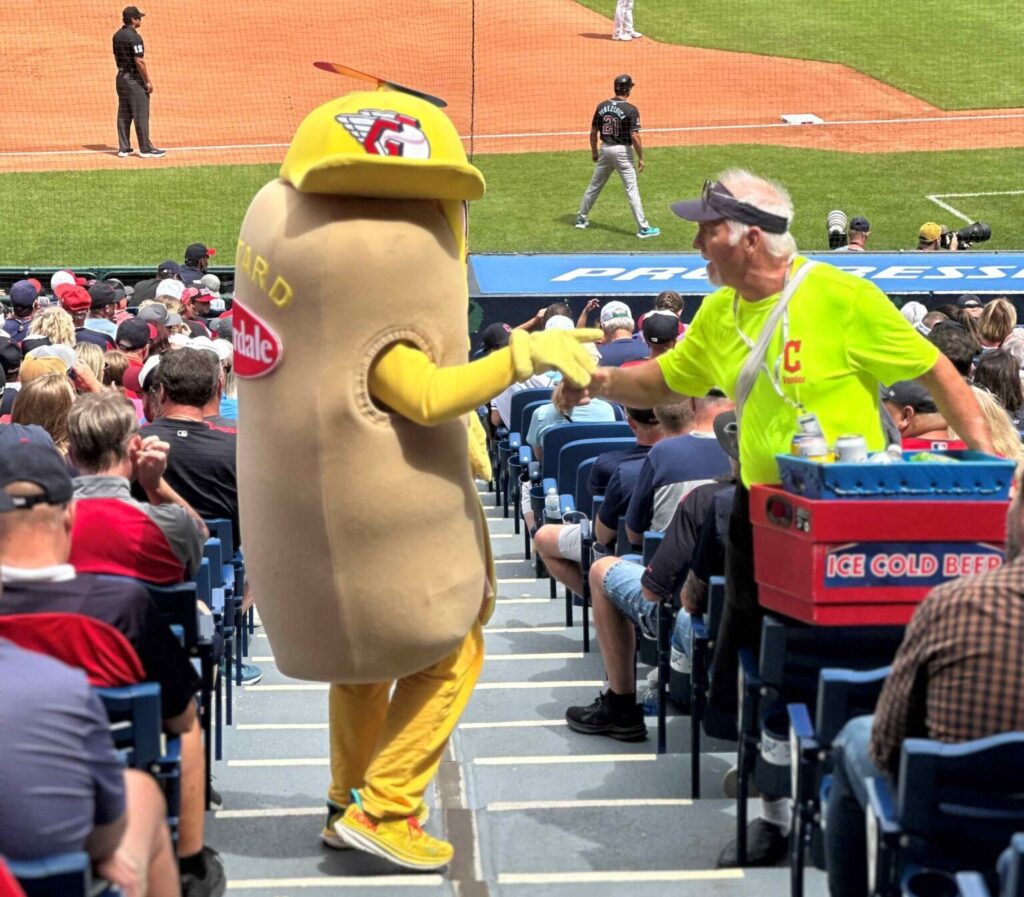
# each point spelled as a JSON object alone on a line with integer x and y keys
{"x": 800, "y": 725}
{"x": 972, "y": 884}
{"x": 882, "y": 808}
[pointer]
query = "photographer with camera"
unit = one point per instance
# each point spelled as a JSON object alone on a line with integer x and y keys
{"x": 932, "y": 237}
{"x": 847, "y": 235}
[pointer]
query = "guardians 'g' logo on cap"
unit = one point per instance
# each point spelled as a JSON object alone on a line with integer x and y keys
{"x": 257, "y": 348}
{"x": 385, "y": 133}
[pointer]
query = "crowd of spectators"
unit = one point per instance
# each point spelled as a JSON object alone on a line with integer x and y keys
{"x": 117, "y": 444}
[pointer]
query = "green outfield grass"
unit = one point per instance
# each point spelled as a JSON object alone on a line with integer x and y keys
{"x": 71, "y": 218}
{"x": 530, "y": 204}
{"x": 954, "y": 56}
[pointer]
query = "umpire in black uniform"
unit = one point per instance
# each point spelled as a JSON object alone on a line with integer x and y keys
{"x": 133, "y": 87}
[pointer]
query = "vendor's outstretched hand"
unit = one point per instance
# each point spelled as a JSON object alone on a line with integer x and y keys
{"x": 534, "y": 353}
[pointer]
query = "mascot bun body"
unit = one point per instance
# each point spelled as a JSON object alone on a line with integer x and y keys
{"x": 363, "y": 535}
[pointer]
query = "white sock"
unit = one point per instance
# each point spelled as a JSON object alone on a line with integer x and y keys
{"x": 779, "y": 812}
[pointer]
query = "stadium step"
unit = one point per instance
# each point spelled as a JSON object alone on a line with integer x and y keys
{"x": 531, "y": 806}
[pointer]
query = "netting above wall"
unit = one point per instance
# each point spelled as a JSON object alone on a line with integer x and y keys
{"x": 231, "y": 82}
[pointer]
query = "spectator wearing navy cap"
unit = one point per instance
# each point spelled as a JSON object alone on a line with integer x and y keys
{"x": 146, "y": 289}
{"x": 23, "y": 297}
{"x": 122, "y": 295}
{"x": 197, "y": 260}
{"x": 971, "y": 304}
{"x": 914, "y": 410}
{"x": 103, "y": 304}
{"x": 856, "y": 235}
{"x": 493, "y": 336}
{"x": 661, "y": 330}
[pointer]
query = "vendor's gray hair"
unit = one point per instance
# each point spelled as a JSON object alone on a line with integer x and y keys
{"x": 768, "y": 196}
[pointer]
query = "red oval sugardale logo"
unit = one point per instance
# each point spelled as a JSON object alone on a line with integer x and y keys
{"x": 258, "y": 349}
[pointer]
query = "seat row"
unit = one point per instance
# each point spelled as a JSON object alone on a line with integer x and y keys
{"x": 783, "y": 749}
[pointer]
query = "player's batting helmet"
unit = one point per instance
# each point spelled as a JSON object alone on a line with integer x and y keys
{"x": 623, "y": 83}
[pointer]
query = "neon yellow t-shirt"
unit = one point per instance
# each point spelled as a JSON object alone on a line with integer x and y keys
{"x": 845, "y": 337}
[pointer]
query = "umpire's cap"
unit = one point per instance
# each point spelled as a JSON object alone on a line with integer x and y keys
{"x": 623, "y": 83}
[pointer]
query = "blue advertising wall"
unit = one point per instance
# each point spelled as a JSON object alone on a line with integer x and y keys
{"x": 645, "y": 274}
{"x": 512, "y": 288}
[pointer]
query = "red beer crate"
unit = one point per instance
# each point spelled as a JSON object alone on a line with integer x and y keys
{"x": 866, "y": 563}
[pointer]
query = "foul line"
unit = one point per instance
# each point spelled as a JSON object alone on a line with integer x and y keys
{"x": 686, "y": 129}
{"x": 937, "y": 198}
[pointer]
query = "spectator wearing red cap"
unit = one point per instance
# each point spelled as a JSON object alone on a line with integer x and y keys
{"x": 197, "y": 260}
{"x": 23, "y": 297}
{"x": 195, "y": 308}
{"x": 76, "y": 301}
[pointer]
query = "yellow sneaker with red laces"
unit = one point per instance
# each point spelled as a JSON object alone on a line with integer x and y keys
{"x": 401, "y": 841}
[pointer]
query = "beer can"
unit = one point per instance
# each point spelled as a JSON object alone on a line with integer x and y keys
{"x": 794, "y": 445}
{"x": 851, "y": 449}
{"x": 815, "y": 448}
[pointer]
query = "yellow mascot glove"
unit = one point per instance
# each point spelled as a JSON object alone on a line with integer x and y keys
{"x": 548, "y": 350}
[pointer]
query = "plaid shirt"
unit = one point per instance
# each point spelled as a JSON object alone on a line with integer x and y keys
{"x": 959, "y": 674}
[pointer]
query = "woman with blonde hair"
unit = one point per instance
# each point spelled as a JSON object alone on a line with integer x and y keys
{"x": 46, "y": 401}
{"x": 998, "y": 318}
{"x": 56, "y": 325}
{"x": 1005, "y": 438}
{"x": 115, "y": 363}
{"x": 91, "y": 356}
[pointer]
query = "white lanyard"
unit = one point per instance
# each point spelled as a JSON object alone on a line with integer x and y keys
{"x": 774, "y": 377}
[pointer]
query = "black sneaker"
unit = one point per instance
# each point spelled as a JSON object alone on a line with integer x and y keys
{"x": 601, "y": 719}
{"x": 212, "y": 883}
{"x": 152, "y": 153}
{"x": 766, "y": 846}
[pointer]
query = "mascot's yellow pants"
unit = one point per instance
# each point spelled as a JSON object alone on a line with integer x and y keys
{"x": 389, "y": 746}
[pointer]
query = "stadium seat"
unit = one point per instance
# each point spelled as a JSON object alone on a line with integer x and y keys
{"x": 955, "y": 808}
{"x": 136, "y": 723}
{"x": 61, "y": 875}
{"x": 504, "y": 449}
{"x": 703, "y": 634}
{"x": 791, "y": 659}
{"x": 842, "y": 695}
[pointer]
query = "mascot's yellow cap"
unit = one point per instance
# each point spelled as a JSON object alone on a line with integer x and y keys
{"x": 383, "y": 144}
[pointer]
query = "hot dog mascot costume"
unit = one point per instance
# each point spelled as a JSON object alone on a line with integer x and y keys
{"x": 364, "y": 537}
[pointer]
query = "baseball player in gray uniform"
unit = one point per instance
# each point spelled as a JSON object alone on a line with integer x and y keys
{"x": 618, "y": 124}
{"x": 624, "y": 22}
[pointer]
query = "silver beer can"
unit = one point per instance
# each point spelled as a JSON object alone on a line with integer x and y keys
{"x": 815, "y": 448}
{"x": 851, "y": 449}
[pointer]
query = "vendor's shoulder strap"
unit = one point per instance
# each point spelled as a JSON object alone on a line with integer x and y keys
{"x": 755, "y": 360}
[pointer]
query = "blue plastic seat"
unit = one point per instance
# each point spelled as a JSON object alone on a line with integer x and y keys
{"x": 136, "y": 723}
{"x": 842, "y": 695}
{"x": 61, "y": 875}
{"x": 703, "y": 635}
{"x": 792, "y": 657}
{"x": 955, "y": 807}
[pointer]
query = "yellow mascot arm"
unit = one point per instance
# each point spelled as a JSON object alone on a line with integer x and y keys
{"x": 405, "y": 379}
